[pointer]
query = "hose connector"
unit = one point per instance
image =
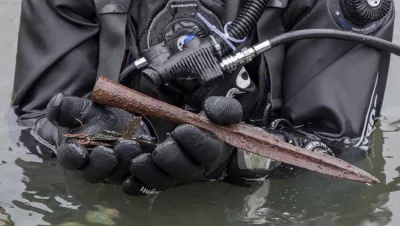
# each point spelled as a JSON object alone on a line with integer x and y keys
{"x": 245, "y": 56}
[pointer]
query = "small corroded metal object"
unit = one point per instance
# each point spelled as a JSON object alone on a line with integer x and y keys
{"x": 252, "y": 139}
{"x": 110, "y": 138}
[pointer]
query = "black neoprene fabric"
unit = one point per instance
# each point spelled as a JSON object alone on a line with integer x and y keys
{"x": 329, "y": 86}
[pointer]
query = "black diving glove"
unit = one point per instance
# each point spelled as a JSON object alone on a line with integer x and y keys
{"x": 188, "y": 155}
{"x": 74, "y": 115}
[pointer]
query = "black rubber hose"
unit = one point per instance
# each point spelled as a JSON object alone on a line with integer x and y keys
{"x": 335, "y": 34}
{"x": 126, "y": 72}
{"x": 247, "y": 19}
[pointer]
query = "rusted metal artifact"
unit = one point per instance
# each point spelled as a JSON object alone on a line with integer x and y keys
{"x": 110, "y": 138}
{"x": 106, "y": 139}
{"x": 246, "y": 137}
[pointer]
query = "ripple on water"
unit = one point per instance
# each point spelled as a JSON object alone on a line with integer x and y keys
{"x": 66, "y": 204}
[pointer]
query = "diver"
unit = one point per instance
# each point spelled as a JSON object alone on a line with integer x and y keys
{"x": 322, "y": 95}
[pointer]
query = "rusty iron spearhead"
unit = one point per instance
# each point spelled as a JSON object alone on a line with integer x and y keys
{"x": 246, "y": 137}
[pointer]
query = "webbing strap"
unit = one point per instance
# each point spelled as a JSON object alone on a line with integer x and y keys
{"x": 112, "y": 15}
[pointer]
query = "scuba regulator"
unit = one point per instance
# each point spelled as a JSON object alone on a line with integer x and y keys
{"x": 185, "y": 42}
{"x": 203, "y": 55}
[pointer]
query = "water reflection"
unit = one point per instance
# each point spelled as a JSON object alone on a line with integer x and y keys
{"x": 53, "y": 196}
{"x": 57, "y": 195}
{"x": 313, "y": 199}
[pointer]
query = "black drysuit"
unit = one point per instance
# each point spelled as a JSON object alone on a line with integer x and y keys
{"x": 330, "y": 89}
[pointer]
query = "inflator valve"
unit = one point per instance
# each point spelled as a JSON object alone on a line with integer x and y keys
{"x": 363, "y": 12}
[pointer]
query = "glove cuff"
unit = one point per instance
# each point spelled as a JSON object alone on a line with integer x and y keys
{"x": 248, "y": 167}
{"x": 243, "y": 167}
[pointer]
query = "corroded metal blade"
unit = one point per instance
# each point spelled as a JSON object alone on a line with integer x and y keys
{"x": 246, "y": 137}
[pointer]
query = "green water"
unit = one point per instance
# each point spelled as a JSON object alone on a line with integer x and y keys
{"x": 34, "y": 191}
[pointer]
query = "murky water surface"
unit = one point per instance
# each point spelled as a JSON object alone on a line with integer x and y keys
{"x": 35, "y": 191}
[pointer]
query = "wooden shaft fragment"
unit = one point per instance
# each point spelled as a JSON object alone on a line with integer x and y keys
{"x": 246, "y": 137}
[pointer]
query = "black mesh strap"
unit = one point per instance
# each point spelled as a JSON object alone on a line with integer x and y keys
{"x": 112, "y": 16}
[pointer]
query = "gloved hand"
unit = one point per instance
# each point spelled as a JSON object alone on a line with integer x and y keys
{"x": 188, "y": 155}
{"x": 81, "y": 116}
